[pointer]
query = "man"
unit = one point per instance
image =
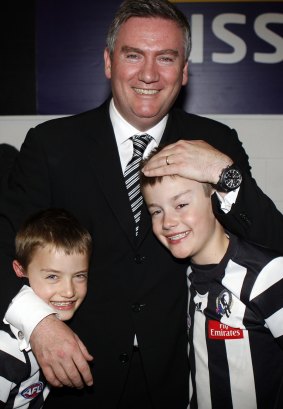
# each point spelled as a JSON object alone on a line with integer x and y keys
{"x": 133, "y": 321}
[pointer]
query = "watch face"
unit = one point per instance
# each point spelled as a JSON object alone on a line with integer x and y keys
{"x": 232, "y": 178}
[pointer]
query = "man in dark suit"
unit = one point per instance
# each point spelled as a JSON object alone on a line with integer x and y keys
{"x": 133, "y": 321}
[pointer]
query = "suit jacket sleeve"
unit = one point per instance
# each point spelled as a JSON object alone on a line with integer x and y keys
{"x": 254, "y": 216}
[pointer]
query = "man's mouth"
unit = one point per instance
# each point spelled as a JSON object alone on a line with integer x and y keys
{"x": 142, "y": 91}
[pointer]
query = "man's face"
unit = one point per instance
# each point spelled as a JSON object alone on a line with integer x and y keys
{"x": 183, "y": 220}
{"x": 147, "y": 69}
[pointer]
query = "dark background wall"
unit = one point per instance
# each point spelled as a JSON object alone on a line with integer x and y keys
{"x": 17, "y": 58}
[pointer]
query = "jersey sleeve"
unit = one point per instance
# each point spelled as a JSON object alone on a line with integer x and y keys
{"x": 267, "y": 297}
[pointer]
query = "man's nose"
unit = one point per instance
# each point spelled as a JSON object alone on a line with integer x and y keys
{"x": 149, "y": 72}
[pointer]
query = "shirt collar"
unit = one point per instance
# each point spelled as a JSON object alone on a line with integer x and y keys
{"x": 123, "y": 130}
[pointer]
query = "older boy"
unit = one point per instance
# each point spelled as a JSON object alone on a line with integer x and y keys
{"x": 52, "y": 252}
{"x": 235, "y": 312}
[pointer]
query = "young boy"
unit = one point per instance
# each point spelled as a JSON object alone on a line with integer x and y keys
{"x": 235, "y": 311}
{"x": 52, "y": 252}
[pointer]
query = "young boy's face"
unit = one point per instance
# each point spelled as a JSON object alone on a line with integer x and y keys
{"x": 182, "y": 217}
{"x": 59, "y": 279}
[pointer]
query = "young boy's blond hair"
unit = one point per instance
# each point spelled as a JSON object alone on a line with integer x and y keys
{"x": 55, "y": 227}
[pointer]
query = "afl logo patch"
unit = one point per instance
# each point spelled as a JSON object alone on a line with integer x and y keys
{"x": 223, "y": 303}
{"x": 33, "y": 390}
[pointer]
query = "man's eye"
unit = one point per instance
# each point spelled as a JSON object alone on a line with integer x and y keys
{"x": 132, "y": 57}
{"x": 167, "y": 59}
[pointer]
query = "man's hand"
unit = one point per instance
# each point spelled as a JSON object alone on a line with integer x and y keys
{"x": 196, "y": 160}
{"x": 60, "y": 353}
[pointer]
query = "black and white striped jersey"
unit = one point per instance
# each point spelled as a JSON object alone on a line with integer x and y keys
{"x": 22, "y": 384}
{"x": 235, "y": 320}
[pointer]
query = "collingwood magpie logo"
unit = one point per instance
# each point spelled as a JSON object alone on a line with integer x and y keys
{"x": 223, "y": 303}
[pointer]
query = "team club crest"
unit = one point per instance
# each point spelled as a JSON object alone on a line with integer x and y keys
{"x": 33, "y": 390}
{"x": 223, "y": 303}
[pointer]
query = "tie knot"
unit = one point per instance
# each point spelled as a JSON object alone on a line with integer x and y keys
{"x": 140, "y": 143}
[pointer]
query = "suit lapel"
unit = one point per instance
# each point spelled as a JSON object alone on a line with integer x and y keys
{"x": 105, "y": 161}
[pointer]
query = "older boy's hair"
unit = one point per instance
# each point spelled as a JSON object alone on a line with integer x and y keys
{"x": 152, "y": 180}
{"x": 148, "y": 9}
{"x": 55, "y": 227}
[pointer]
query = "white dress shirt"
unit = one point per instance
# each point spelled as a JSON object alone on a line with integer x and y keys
{"x": 25, "y": 311}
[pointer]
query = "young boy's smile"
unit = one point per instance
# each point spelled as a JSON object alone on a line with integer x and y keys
{"x": 58, "y": 278}
{"x": 182, "y": 219}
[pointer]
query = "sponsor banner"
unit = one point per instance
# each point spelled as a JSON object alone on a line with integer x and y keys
{"x": 235, "y": 65}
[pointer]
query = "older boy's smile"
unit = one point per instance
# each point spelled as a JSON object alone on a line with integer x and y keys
{"x": 178, "y": 236}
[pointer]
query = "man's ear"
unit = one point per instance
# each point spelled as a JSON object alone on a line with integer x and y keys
{"x": 107, "y": 63}
{"x": 185, "y": 74}
{"x": 18, "y": 268}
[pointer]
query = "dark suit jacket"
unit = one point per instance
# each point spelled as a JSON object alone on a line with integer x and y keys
{"x": 135, "y": 286}
{"x": 8, "y": 155}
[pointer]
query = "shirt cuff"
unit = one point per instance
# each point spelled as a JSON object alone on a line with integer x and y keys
{"x": 228, "y": 200}
{"x": 24, "y": 313}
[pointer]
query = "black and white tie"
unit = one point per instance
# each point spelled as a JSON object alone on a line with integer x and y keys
{"x": 132, "y": 175}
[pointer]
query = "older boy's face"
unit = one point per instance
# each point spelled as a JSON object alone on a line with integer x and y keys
{"x": 182, "y": 217}
{"x": 59, "y": 279}
{"x": 147, "y": 70}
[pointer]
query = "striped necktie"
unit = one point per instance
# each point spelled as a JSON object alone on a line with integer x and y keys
{"x": 132, "y": 175}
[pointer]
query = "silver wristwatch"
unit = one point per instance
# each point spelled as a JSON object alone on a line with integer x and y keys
{"x": 229, "y": 179}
